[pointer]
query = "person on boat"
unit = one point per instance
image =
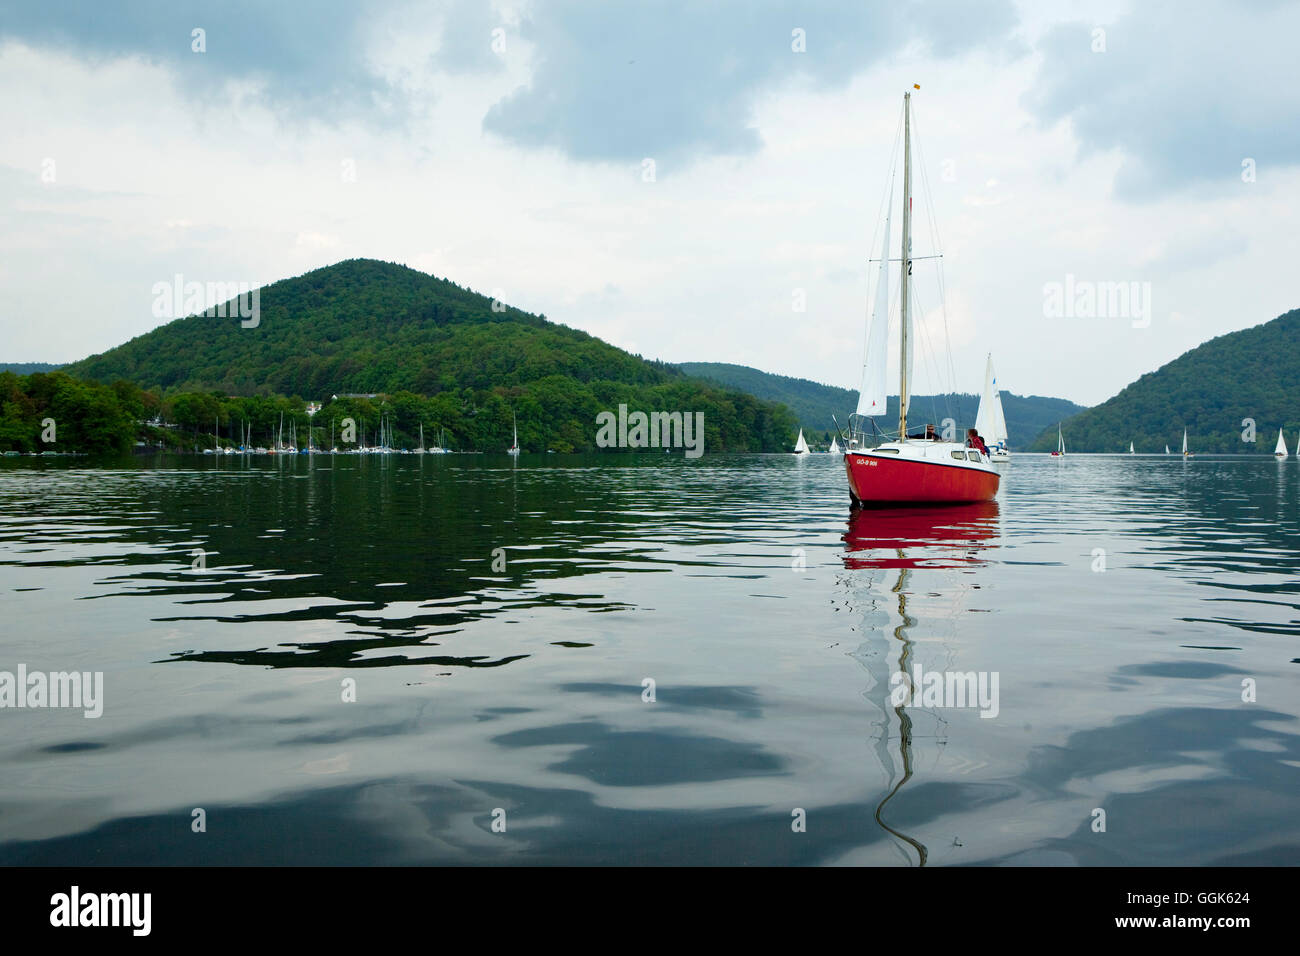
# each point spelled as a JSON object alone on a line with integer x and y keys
{"x": 974, "y": 440}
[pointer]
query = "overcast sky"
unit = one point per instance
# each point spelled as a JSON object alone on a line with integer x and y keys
{"x": 504, "y": 146}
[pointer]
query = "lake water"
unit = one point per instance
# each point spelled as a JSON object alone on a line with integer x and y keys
{"x": 1139, "y": 616}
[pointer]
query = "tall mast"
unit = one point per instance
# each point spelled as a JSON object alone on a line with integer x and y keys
{"x": 907, "y": 262}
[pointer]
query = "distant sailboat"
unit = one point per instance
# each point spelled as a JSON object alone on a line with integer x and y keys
{"x": 1186, "y": 453}
{"x": 1060, "y": 443}
{"x": 990, "y": 422}
{"x": 1167, "y": 451}
{"x": 1130, "y": 449}
{"x": 835, "y": 447}
{"x": 514, "y": 445}
{"x": 1280, "y": 451}
{"x": 801, "y": 446}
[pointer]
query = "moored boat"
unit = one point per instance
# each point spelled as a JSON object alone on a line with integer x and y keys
{"x": 910, "y": 469}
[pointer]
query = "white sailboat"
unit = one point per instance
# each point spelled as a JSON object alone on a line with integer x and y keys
{"x": 1060, "y": 443}
{"x": 1280, "y": 452}
{"x": 1186, "y": 453}
{"x": 990, "y": 423}
{"x": 514, "y": 445}
{"x": 835, "y": 447}
{"x": 801, "y": 446}
{"x": 1167, "y": 451}
{"x": 1130, "y": 449}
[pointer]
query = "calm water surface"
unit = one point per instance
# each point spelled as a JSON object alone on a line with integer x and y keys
{"x": 1126, "y": 606}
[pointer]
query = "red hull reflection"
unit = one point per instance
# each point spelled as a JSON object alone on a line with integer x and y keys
{"x": 946, "y": 537}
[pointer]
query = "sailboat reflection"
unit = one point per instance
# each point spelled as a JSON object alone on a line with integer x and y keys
{"x": 908, "y": 540}
{"x": 948, "y": 537}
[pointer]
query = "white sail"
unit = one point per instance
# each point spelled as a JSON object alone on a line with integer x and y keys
{"x": 801, "y": 446}
{"x": 906, "y": 325}
{"x": 1280, "y": 450}
{"x": 834, "y": 449}
{"x": 1130, "y": 448}
{"x": 1184, "y": 441}
{"x": 1167, "y": 450}
{"x": 999, "y": 419}
{"x": 1060, "y": 440}
{"x": 871, "y": 395}
{"x": 984, "y": 414}
{"x": 990, "y": 422}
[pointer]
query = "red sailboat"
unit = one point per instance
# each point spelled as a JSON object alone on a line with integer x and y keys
{"x": 914, "y": 469}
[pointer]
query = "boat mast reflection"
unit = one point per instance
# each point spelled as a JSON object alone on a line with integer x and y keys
{"x": 909, "y": 540}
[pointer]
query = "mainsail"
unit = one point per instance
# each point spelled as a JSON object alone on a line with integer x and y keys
{"x": 871, "y": 397}
{"x": 990, "y": 422}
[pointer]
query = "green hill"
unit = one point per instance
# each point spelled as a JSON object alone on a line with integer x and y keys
{"x": 1209, "y": 390}
{"x": 366, "y": 327}
{"x": 813, "y": 403}
{"x": 27, "y": 368}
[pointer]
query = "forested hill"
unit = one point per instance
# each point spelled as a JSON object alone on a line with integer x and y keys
{"x": 27, "y": 368}
{"x": 364, "y": 327}
{"x": 813, "y": 403}
{"x": 1252, "y": 374}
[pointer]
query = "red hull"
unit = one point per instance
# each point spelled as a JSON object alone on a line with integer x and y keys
{"x": 886, "y": 480}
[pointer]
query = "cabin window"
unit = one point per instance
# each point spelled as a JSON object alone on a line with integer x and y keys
{"x": 960, "y": 456}
{"x": 973, "y": 455}
{"x": 885, "y": 451}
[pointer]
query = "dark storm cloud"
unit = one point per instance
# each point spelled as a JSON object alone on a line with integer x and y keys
{"x": 619, "y": 82}
{"x": 1185, "y": 92}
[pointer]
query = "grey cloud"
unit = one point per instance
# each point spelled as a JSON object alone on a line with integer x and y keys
{"x": 310, "y": 56}
{"x": 615, "y": 82}
{"x": 1183, "y": 92}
